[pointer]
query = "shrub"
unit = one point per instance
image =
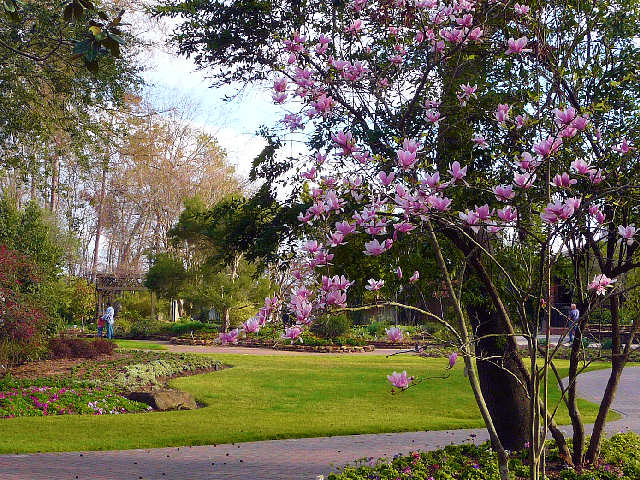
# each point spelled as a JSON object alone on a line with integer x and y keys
{"x": 68, "y": 347}
{"x": 606, "y": 344}
{"x": 22, "y": 320}
{"x": 184, "y": 328}
{"x": 377, "y": 329}
{"x": 619, "y": 460}
{"x": 331, "y": 326}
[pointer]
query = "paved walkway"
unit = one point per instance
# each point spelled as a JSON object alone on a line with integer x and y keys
{"x": 301, "y": 459}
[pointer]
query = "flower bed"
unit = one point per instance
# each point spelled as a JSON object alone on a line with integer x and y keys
{"x": 34, "y": 401}
{"x": 322, "y": 347}
{"x": 95, "y": 386}
{"x": 620, "y": 460}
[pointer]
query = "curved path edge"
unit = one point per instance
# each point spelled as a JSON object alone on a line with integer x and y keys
{"x": 304, "y": 458}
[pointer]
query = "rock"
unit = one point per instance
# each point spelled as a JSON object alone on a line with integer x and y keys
{"x": 165, "y": 399}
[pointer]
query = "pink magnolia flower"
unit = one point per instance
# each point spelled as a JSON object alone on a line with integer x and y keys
{"x": 394, "y": 334}
{"x": 466, "y": 92}
{"x": 566, "y": 116}
{"x": 312, "y": 246}
{"x": 374, "y": 285}
{"x": 252, "y": 325}
{"x": 386, "y": 178}
{"x": 596, "y": 177}
{"x": 410, "y": 145}
{"x": 480, "y": 141}
{"x": 433, "y": 116}
{"x": 465, "y": 21}
{"x": 336, "y": 239}
{"x": 582, "y": 167}
{"x": 528, "y": 162}
{"x": 483, "y": 213}
{"x": 563, "y": 180}
{"x": 624, "y": 147}
{"x": 580, "y": 123}
{"x": 415, "y": 277}
{"x": 336, "y": 297}
{"x": 600, "y": 283}
{"x": 524, "y": 180}
{"x": 452, "y": 359}
{"x": 439, "y": 203}
{"x": 568, "y": 132}
{"x": 229, "y": 337}
{"x": 403, "y": 227}
{"x": 406, "y": 159}
{"x": 280, "y": 85}
{"x": 433, "y": 181}
{"x": 374, "y": 247}
{"x": 517, "y": 46}
{"x": 399, "y": 272}
{"x": 502, "y": 113}
{"x": 310, "y": 174}
{"x": 627, "y": 233}
{"x": 344, "y": 140}
{"x": 456, "y": 172}
{"x": 573, "y": 202}
{"x": 508, "y": 214}
{"x": 323, "y": 105}
{"x": 279, "y": 97}
{"x": 520, "y": 121}
{"x": 475, "y": 34}
{"x": 504, "y": 193}
{"x": 345, "y": 228}
{"x": 521, "y": 9}
{"x": 292, "y": 333}
{"x": 400, "y": 380}
{"x": 471, "y": 219}
{"x": 354, "y": 27}
{"x": 548, "y": 146}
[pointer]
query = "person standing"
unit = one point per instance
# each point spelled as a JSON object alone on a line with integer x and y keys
{"x": 108, "y": 317}
{"x": 101, "y": 323}
{"x": 574, "y": 316}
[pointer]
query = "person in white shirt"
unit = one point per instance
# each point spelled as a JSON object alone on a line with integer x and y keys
{"x": 108, "y": 317}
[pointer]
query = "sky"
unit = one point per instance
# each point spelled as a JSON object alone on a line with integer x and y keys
{"x": 234, "y": 124}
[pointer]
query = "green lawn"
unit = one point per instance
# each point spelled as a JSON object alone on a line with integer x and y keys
{"x": 139, "y": 345}
{"x": 267, "y": 397}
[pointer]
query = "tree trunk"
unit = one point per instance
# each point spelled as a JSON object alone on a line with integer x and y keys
{"x": 55, "y": 172}
{"x": 618, "y": 360}
{"x": 96, "y": 247}
{"x": 227, "y": 320}
{"x": 503, "y": 386}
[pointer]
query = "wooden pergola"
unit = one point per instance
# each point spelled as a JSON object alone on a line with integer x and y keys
{"x": 109, "y": 286}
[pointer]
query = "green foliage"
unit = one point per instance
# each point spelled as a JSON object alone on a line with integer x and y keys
{"x": 68, "y": 301}
{"x": 184, "y": 328}
{"x": 166, "y": 275}
{"x": 332, "y": 326}
{"x": 33, "y": 232}
{"x": 606, "y": 344}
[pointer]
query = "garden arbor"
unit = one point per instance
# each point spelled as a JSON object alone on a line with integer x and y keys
{"x": 111, "y": 285}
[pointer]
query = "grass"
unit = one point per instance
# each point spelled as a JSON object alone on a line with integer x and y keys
{"x": 268, "y": 397}
{"x": 139, "y": 345}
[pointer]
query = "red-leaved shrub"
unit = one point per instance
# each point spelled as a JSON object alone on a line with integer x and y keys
{"x": 70, "y": 347}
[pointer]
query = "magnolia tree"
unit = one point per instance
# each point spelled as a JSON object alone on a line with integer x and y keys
{"x": 501, "y": 135}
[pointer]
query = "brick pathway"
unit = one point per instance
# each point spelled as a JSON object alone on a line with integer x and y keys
{"x": 276, "y": 459}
